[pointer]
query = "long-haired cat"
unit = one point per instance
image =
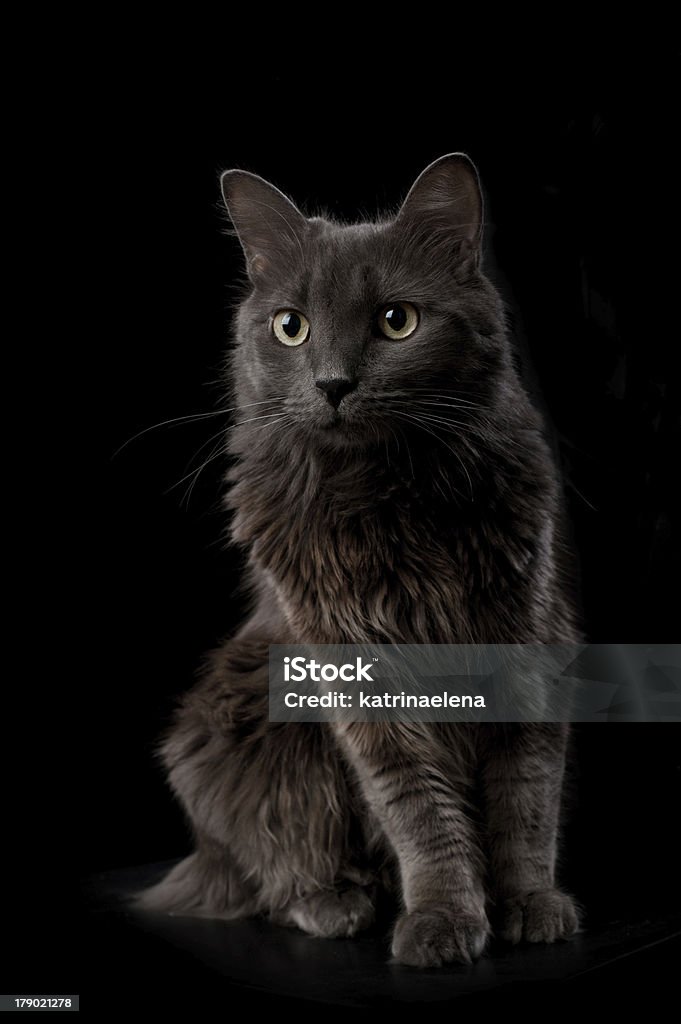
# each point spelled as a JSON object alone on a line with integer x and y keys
{"x": 390, "y": 483}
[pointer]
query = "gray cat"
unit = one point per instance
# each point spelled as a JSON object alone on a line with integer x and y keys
{"x": 391, "y": 484}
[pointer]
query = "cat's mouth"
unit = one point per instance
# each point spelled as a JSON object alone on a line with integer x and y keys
{"x": 336, "y": 421}
{"x": 346, "y": 423}
{"x": 342, "y": 428}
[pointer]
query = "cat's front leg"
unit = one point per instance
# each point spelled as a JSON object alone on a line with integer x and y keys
{"x": 417, "y": 791}
{"x": 522, "y": 772}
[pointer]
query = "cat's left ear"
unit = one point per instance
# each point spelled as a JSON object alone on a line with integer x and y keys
{"x": 270, "y": 228}
{"x": 447, "y": 197}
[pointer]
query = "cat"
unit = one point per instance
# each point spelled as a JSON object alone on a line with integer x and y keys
{"x": 391, "y": 483}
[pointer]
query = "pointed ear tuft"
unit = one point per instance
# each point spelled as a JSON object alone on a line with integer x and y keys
{"x": 270, "y": 228}
{"x": 446, "y": 197}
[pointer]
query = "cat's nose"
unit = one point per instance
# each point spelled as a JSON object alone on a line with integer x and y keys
{"x": 336, "y": 388}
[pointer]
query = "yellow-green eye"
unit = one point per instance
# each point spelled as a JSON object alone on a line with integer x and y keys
{"x": 398, "y": 320}
{"x": 290, "y": 328}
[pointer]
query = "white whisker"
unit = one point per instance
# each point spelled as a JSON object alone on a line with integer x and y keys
{"x": 419, "y": 422}
{"x": 222, "y": 448}
{"x": 193, "y": 418}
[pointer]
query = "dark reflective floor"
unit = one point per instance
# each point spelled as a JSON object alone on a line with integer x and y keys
{"x": 185, "y": 962}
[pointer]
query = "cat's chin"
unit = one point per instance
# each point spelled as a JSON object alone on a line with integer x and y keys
{"x": 343, "y": 434}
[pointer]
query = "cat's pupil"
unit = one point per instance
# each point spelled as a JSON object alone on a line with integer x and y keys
{"x": 396, "y": 318}
{"x": 291, "y": 324}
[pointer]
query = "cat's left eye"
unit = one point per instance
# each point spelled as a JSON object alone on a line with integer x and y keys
{"x": 398, "y": 320}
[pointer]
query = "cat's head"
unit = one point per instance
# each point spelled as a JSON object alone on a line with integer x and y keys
{"x": 352, "y": 334}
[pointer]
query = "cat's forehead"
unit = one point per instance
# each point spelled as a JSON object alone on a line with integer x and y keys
{"x": 349, "y": 260}
{"x": 344, "y": 246}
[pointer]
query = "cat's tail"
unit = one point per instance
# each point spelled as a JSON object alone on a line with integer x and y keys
{"x": 198, "y": 886}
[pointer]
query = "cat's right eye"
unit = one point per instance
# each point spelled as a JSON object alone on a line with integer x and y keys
{"x": 290, "y": 328}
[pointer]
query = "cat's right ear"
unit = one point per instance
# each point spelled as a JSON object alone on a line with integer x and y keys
{"x": 270, "y": 228}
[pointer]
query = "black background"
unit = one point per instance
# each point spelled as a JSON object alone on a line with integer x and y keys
{"x": 575, "y": 193}
{"x": 576, "y": 162}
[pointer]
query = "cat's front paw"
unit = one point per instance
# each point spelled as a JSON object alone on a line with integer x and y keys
{"x": 544, "y": 916}
{"x": 439, "y": 935}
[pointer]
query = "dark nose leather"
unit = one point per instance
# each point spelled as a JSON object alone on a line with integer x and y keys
{"x": 336, "y": 389}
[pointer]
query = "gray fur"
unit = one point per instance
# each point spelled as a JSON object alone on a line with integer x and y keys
{"x": 424, "y": 509}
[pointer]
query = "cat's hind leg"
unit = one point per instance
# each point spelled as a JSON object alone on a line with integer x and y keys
{"x": 271, "y": 806}
{"x": 335, "y": 913}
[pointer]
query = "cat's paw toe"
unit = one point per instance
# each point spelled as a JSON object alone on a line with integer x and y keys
{"x": 545, "y": 916}
{"x": 432, "y": 937}
{"x": 334, "y": 914}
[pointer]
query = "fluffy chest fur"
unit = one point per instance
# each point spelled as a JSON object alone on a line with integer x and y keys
{"x": 381, "y": 552}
